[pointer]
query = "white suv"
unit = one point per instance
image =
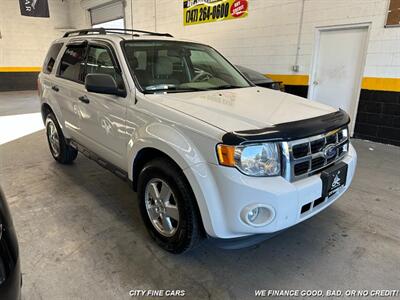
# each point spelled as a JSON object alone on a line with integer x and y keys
{"x": 209, "y": 153}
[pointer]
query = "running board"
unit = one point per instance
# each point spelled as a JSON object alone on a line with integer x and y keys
{"x": 102, "y": 162}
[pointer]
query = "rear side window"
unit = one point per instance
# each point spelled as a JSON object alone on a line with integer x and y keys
{"x": 51, "y": 57}
{"x": 72, "y": 63}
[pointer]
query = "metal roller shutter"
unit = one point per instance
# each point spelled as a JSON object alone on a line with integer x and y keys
{"x": 108, "y": 12}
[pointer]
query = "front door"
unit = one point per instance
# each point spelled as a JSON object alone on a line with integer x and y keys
{"x": 102, "y": 117}
{"x": 338, "y": 67}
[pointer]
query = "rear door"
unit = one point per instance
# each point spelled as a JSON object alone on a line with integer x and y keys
{"x": 46, "y": 77}
{"x": 102, "y": 117}
{"x": 69, "y": 84}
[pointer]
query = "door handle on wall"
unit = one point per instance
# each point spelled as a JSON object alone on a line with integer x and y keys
{"x": 84, "y": 99}
{"x": 55, "y": 88}
{"x": 315, "y": 82}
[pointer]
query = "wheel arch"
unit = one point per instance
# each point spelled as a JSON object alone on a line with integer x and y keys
{"x": 45, "y": 110}
{"x": 47, "y": 107}
{"x": 143, "y": 156}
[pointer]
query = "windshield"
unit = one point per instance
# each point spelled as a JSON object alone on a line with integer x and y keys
{"x": 180, "y": 67}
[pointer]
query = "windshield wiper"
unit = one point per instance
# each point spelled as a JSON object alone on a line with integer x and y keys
{"x": 173, "y": 89}
{"x": 225, "y": 87}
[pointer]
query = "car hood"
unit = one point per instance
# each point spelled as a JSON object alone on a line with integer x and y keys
{"x": 244, "y": 108}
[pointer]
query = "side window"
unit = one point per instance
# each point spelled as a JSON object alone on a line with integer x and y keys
{"x": 99, "y": 60}
{"x": 51, "y": 57}
{"x": 72, "y": 63}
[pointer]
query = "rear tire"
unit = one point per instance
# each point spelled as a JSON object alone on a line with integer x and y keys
{"x": 59, "y": 149}
{"x": 168, "y": 207}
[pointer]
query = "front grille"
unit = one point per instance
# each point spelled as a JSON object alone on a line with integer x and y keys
{"x": 300, "y": 150}
{"x": 301, "y": 168}
{"x": 317, "y": 163}
{"x": 308, "y": 156}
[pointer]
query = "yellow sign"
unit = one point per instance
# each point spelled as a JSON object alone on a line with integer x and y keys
{"x": 205, "y": 11}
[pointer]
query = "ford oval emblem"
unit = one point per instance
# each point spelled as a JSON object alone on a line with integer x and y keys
{"x": 330, "y": 151}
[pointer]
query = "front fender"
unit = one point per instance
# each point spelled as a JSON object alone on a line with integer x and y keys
{"x": 167, "y": 139}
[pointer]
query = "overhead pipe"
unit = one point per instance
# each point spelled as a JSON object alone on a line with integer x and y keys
{"x": 296, "y": 67}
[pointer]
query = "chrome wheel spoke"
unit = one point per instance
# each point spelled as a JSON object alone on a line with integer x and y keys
{"x": 165, "y": 193}
{"x": 153, "y": 190}
{"x": 166, "y": 222}
{"x": 172, "y": 211}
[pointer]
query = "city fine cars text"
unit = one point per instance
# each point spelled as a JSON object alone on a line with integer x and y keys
{"x": 157, "y": 293}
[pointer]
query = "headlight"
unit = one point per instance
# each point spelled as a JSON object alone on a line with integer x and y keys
{"x": 253, "y": 160}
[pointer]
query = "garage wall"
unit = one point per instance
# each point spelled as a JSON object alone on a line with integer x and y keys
{"x": 25, "y": 40}
{"x": 267, "y": 41}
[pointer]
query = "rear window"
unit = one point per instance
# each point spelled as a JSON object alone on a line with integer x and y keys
{"x": 51, "y": 57}
{"x": 72, "y": 63}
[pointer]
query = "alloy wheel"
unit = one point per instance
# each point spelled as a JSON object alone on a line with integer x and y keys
{"x": 161, "y": 207}
{"x": 53, "y": 137}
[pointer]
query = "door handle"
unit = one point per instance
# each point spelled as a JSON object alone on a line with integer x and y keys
{"x": 315, "y": 82}
{"x": 55, "y": 88}
{"x": 84, "y": 99}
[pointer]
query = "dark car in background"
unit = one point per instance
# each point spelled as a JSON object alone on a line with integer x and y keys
{"x": 260, "y": 79}
{"x": 10, "y": 273}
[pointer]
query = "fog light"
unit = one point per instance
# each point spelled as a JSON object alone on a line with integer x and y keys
{"x": 253, "y": 214}
{"x": 257, "y": 215}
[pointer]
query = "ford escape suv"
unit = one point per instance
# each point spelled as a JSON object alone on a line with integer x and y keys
{"x": 209, "y": 153}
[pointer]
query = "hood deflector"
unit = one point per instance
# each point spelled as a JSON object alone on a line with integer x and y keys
{"x": 289, "y": 131}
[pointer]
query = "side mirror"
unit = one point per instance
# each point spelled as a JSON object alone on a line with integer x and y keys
{"x": 102, "y": 84}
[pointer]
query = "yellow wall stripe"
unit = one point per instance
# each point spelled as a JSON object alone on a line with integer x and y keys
{"x": 381, "y": 84}
{"x": 368, "y": 83}
{"x": 290, "y": 79}
{"x": 20, "y": 69}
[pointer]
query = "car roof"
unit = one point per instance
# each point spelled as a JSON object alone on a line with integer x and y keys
{"x": 118, "y": 35}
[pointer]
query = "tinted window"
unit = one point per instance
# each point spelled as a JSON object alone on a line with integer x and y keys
{"x": 72, "y": 63}
{"x": 100, "y": 61}
{"x": 51, "y": 57}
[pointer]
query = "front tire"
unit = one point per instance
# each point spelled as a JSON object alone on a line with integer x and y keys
{"x": 168, "y": 207}
{"x": 59, "y": 149}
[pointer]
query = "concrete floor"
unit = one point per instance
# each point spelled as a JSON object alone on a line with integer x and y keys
{"x": 81, "y": 236}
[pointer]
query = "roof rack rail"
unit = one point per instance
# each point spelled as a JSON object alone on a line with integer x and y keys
{"x": 85, "y": 31}
{"x": 113, "y": 30}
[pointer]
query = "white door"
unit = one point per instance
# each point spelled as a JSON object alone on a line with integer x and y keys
{"x": 338, "y": 65}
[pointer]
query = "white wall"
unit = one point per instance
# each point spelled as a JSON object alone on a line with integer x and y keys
{"x": 25, "y": 40}
{"x": 266, "y": 40}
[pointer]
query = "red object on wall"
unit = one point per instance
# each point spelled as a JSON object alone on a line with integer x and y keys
{"x": 238, "y": 8}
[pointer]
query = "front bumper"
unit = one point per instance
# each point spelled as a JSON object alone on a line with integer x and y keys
{"x": 222, "y": 193}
